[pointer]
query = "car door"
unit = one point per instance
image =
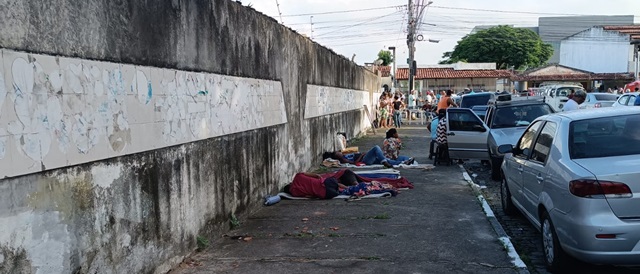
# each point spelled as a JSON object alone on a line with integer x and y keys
{"x": 466, "y": 135}
{"x": 535, "y": 169}
{"x": 514, "y": 166}
{"x": 623, "y": 100}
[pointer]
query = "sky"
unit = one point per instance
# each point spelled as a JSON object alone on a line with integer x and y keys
{"x": 364, "y": 27}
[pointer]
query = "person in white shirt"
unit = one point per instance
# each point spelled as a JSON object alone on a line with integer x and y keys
{"x": 412, "y": 100}
{"x": 574, "y": 103}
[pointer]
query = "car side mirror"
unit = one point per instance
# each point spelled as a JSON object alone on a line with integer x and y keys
{"x": 479, "y": 128}
{"x": 504, "y": 149}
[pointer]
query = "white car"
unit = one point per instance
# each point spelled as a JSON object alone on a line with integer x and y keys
{"x": 626, "y": 99}
{"x": 557, "y": 95}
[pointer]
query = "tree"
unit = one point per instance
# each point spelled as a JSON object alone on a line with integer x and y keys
{"x": 504, "y": 45}
{"x": 386, "y": 57}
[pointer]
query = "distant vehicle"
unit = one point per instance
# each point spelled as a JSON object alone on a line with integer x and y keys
{"x": 574, "y": 175}
{"x": 481, "y": 111}
{"x": 474, "y": 99}
{"x": 599, "y": 100}
{"x": 557, "y": 95}
{"x": 626, "y": 99}
{"x": 469, "y": 137}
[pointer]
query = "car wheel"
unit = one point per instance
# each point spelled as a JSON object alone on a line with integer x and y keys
{"x": 554, "y": 256}
{"x": 505, "y": 198}
{"x": 495, "y": 168}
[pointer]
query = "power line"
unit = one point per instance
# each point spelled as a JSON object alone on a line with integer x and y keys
{"x": 506, "y": 11}
{"x": 344, "y": 11}
{"x": 355, "y": 25}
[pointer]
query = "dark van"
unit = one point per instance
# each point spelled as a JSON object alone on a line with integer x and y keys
{"x": 476, "y": 99}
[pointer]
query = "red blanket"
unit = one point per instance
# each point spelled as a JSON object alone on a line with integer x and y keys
{"x": 397, "y": 183}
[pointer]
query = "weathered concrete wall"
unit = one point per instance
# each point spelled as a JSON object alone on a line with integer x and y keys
{"x": 113, "y": 174}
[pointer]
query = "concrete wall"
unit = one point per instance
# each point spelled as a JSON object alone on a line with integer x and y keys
{"x": 554, "y": 29}
{"x": 128, "y": 128}
{"x": 598, "y": 51}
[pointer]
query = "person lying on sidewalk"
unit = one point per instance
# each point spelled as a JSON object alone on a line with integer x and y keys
{"x": 311, "y": 185}
{"x": 392, "y": 146}
{"x": 374, "y": 156}
{"x": 330, "y": 185}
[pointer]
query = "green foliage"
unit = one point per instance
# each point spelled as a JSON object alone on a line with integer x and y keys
{"x": 202, "y": 242}
{"x": 386, "y": 57}
{"x": 234, "y": 222}
{"x": 504, "y": 45}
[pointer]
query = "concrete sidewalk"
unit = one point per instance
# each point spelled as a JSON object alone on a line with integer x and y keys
{"x": 437, "y": 227}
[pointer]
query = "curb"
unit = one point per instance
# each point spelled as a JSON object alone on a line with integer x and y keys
{"x": 497, "y": 227}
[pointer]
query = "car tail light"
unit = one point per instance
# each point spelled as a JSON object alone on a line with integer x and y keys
{"x": 599, "y": 189}
{"x": 597, "y": 105}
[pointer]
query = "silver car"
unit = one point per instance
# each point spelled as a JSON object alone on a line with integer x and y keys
{"x": 599, "y": 100}
{"x": 575, "y": 176}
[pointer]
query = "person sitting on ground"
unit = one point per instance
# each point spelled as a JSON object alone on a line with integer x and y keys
{"x": 575, "y": 101}
{"x": 392, "y": 146}
{"x": 374, "y": 156}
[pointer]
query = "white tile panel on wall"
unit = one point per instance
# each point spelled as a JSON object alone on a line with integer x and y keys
{"x": 323, "y": 100}
{"x": 57, "y": 111}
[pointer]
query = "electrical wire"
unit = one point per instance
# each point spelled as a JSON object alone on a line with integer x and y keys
{"x": 355, "y": 25}
{"x": 344, "y": 11}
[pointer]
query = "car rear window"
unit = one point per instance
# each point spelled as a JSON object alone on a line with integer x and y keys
{"x": 605, "y": 97}
{"x": 518, "y": 116}
{"x": 468, "y": 101}
{"x": 605, "y": 137}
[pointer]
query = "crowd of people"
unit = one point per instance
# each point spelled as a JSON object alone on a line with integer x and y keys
{"x": 391, "y": 106}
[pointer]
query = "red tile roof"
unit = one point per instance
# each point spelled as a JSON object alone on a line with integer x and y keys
{"x": 385, "y": 71}
{"x": 631, "y": 30}
{"x": 450, "y": 73}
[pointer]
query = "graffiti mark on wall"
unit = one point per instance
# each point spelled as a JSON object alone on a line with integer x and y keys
{"x": 328, "y": 100}
{"x": 61, "y": 111}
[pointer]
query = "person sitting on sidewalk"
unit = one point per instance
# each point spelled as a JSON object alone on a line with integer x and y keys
{"x": 392, "y": 146}
{"x": 374, "y": 156}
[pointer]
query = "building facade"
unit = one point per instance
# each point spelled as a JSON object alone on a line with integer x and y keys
{"x": 599, "y": 50}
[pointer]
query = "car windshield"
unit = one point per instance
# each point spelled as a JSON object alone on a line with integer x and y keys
{"x": 468, "y": 101}
{"x": 605, "y": 137}
{"x": 519, "y": 116}
{"x": 605, "y": 97}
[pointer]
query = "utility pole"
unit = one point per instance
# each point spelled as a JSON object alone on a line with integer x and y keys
{"x": 411, "y": 28}
{"x": 393, "y": 69}
{"x": 311, "y": 22}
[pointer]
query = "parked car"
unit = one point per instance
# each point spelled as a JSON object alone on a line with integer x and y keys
{"x": 478, "y": 98}
{"x": 574, "y": 175}
{"x": 599, "y": 100}
{"x": 469, "y": 137}
{"x": 626, "y": 99}
{"x": 557, "y": 95}
{"x": 481, "y": 111}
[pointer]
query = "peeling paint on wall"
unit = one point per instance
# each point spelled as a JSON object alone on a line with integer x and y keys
{"x": 89, "y": 110}
{"x": 323, "y": 100}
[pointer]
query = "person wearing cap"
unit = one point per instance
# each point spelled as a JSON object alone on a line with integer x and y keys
{"x": 574, "y": 103}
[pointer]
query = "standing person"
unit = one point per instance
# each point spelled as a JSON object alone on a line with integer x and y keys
{"x": 412, "y": 100}
{"x": 391, "y": 147}
{"x": 575, "y": 101}
{"x": 434, "y": 135}
{"x": 446, "y": 101}
{"x": 384, "y": 111}
{"x": 637, "y": 101}
{"x": 398, "y": 105}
